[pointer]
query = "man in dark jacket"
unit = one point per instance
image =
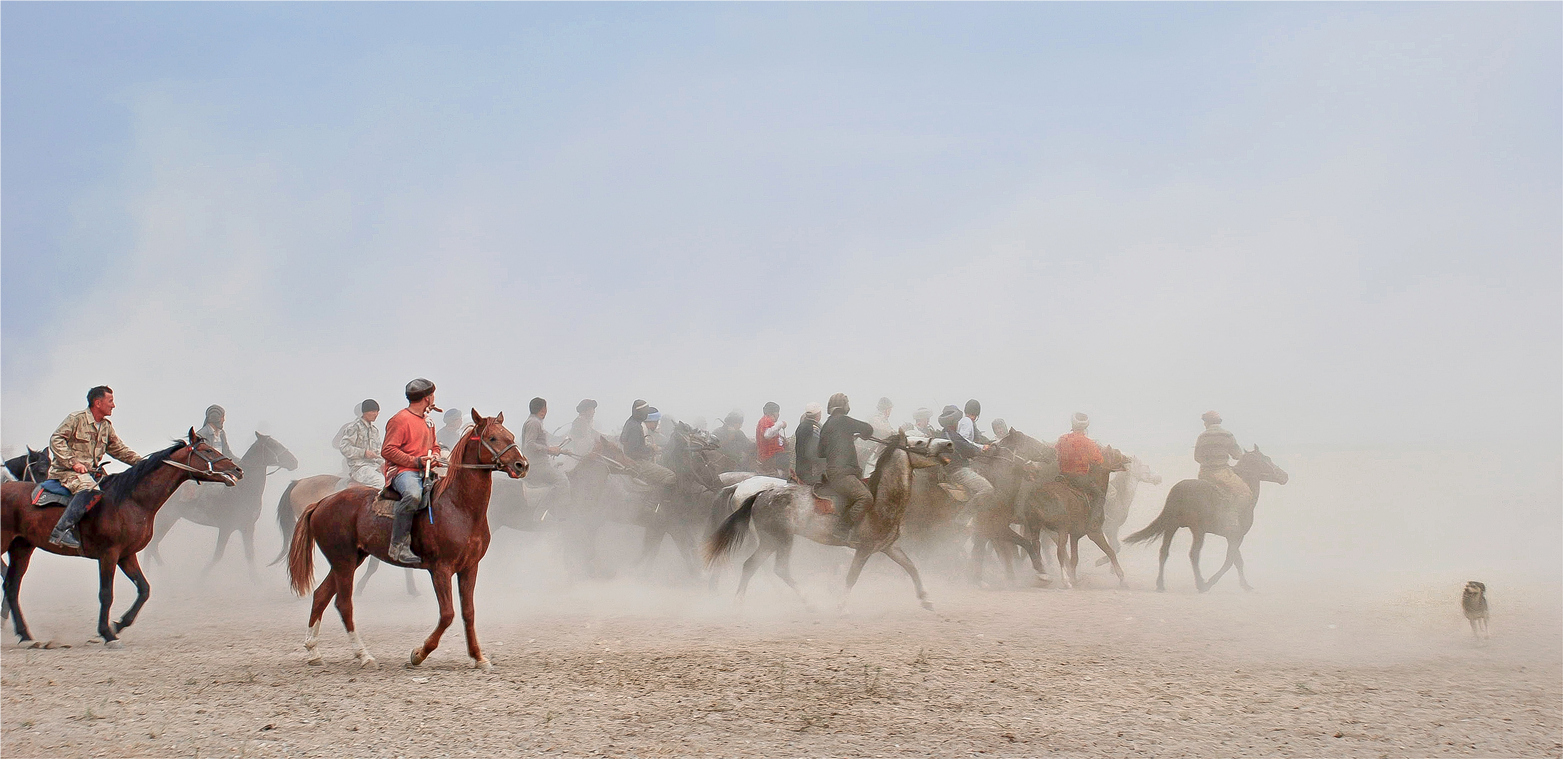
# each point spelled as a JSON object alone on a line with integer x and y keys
{"x": 633, "y": 437}
{"x": 842, "y": 471}
{"x": 980, "y": 492}
{"x": 806, "y": 446}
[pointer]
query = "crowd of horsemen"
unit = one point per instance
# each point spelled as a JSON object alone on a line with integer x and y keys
{"x": 828, "y": 448}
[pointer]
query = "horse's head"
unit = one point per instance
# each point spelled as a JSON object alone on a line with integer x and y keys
{"x": 274, "y": 454}
{"x": 497, "y": 445}
{"x": 1142, "y": 472}
{"x": 1255, "y": 464}
{"x": 205, "y": 463}
{"x": 1114, "y": 460}
{"x": 921, "y": 453}
{"x": 32, "y": 467}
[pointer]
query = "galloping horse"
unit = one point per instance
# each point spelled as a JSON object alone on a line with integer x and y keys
{"x": 346, "y": 528}
{"x": 1204, "y": 507}
{"x": 112, "y": 532}
{"x": 1018, "y": 462}
{"x": 783, "y": 512}
{"x": 1121, "y": 494}
{"x": 228, "y": 510}
{"x": 1067, "y": 512}
{"x": 683, "y": 507}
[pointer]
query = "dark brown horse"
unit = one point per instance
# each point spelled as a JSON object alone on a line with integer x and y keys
{"x": 1067, "y": 512}
{"x": 346, "y": 528}
{"x": 112, "y": 531}
{"x": 230, "y": 511}
{"x": 783, "y": 512}
{"x": 1204, "y": 507}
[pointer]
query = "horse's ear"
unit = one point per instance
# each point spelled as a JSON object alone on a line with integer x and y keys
{"x": 477, "y": 419}
{"x": 1255, "y": 449}
{"x": 257, "y": 435}
{"x": 192, "y": 437}
{"x": 499, "y": 419}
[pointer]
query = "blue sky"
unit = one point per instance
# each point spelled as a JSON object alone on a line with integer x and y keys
{"x": 1336, "y": 222}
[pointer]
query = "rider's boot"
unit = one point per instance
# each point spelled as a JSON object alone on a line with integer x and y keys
{"x": 401, "y": 549}
{"x": 64, "y": 532}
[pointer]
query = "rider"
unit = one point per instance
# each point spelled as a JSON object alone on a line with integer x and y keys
{"x": 1213, "y": 449}
{"x": 732, "y": 440}
{"x": 1077, "y": 454}
{"x": 213, "y": 433}
{"x": 637, "y": 439}
{"x": 920, "y": 423}
{"x": 967, "y": 426}
{"x": 869, "y": 451}
{"x": 842, "y": 470}
{"x": 771, "y": 441}
{"x": 77, "y": 445}
{"x": 451, "y": 431}
{"x": 410, "y": 445}
{"x": 534, "y": 445}
{"x": 963, "y": 450}
{"x": 809, "y": 467}
{"x": 1001, "y": 429}
{"x": 582, "y": 433}
{"x": 359, "y": 442}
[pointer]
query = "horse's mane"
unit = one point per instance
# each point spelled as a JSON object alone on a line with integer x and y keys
{"x": 879, "y": 464}
{"x": 457, "y": 452}
{"x": 117, "y": 487}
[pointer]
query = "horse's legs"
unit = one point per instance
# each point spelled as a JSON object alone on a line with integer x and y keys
{"x": 131, "y": 566}
{"x": 323, "y": 594}
{"x": 1062, "y": 551}
{"x": 1233, "y": 560}
{"x": 684, "y": 541}
{"x": 651, "y": 541}
{"x": 107, "y": 564}
{"x": 21, "y": 554}
{"x": 1113, "y": 556}
{"x": 979, "y": 547}
{"x": 860, "y": 556}
{"x": 1162, "y": 559}
{"x": 160, "y": 528}
{"x": 409, "y": 576}
{"x": 248, "y": 535}
{"x": 900, "y": 557}
{"x": 1075, "y": 557}
{"x": 374, "y": 564}
{"x": 784, "y": 567}
{"x": 442, "y": 593}
{"x": 466, "y": 582}
{"x": 768, "y": 544}
{"x": 223, "y": 534}
{"x": 1238, "y": 564}
{"x": 343, "y": 572}
{"x": 1194, "y": 559}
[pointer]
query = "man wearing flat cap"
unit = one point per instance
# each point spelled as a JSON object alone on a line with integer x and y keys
{"x": 359, "y": 442}
{"x": 1213, "y": 449}
{"x": 410, "y": 444}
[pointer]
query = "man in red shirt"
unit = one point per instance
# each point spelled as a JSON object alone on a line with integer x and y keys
{"x": 409, "y": 445}
{"x": 770, "y": 442}
{"x": 1077, "y": 454}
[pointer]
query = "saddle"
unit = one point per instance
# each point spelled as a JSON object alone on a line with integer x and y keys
{"x": 826, "y": 499}
{"x": 385, "y": 501}
{"x": 50, "y": 493}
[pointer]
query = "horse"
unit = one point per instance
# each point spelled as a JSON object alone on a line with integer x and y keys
{"x": 780, "y": 513}
{"x": 32, "y": 467}
{"x": 228, "y": 510}
{"x": 684, "y": 507}
{"x": 1121, "y": 494}
{"x": 306, "y": 491}
{"x": 1017, "y": 462}
{"x": 451, "y": 541}
{"x": 1066, "y": 511}
{"x": 1204, "y": 507}
{"x": 112, "y": 531}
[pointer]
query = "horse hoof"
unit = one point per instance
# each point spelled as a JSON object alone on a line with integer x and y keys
{"x": 115, "y": 644}
{"x": 928, "y": 605}
{"x": 31, "y": 644}
{"x": 417, "y": 658}
{"x": 483, "y": 664}
{"x": 315, "y": 661}
{"x": 369, "y": 663}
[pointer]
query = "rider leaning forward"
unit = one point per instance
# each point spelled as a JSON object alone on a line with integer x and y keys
{"x": 842, "y": 471}
{"x": 77, "y": 445}
{"x": 410, "y": 446}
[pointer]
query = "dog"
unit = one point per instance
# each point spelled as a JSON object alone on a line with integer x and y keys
{"x": 1474, "y": 603}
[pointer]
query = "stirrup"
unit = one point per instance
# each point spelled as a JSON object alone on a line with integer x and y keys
{"x": 67, "y": 538}
{"x": 404, "y": 555}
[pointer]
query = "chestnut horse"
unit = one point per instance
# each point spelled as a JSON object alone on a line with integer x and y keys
{"x": 1065, "y": 511}
{"x": 451, "y": 541}
{"x": 112, "y": 532}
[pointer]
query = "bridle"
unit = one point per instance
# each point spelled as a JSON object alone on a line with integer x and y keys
{"x": 266, "y": 446}
{"x": 210, "y": 468}
{"x": 491, "y": 466}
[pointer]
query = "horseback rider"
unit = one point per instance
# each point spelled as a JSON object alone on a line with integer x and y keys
{"x": 967, "y": 425}
{"x": 842, "y": 471}
{"x": 920, "y": 424}
{"x": 451, "y": 431}
{"x": 639, "y": 443}
{"x": 731, "y": 438}
{"x": 1213, "y": 449}
{"x": 869, "y": 451}
{"x": 582, "y": 433}
{"x": 963, "y": 449}
{"x": 410, "y": 445}
{"x": 809, "y": 467}
{"x": 1077, "y": 454}
{"x": 1000, "y": 428}
{"x": 77, "y": 446}
{"x": 212, "y": 431}
{"x": 359, "y": 442}
{"x": 540, "y": 455}
{"x": 771, "y": 441}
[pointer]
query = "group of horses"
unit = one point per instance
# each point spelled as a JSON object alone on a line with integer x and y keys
{"x": 708, "y": 508}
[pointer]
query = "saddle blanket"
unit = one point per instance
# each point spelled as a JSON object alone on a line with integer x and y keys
{"x": 50, "y": 497}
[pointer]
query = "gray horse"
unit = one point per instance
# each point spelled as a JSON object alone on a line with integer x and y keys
{"x": 1121, "y": 494}
{"x": 1204, "y": 507}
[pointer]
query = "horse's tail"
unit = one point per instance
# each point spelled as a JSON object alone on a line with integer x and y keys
{"x": 301, "y": 553}
{"x": 731, "y": 532}
{"x": 1164, "y": 524}
{"x": 284, "y": 521}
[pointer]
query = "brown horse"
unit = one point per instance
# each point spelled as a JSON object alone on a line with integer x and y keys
{"x": 1204, "y": 507}
{"x": 783, "y": 512}
{"x": 1067, "y": 512}
{"x": 112, "y": 532}
{"x": 347, "y": 530}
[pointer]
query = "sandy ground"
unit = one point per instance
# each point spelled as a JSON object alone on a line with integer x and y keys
{"x": 642, "y": 665}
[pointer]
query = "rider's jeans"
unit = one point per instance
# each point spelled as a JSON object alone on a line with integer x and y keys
{"x": 408, "y": 484}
